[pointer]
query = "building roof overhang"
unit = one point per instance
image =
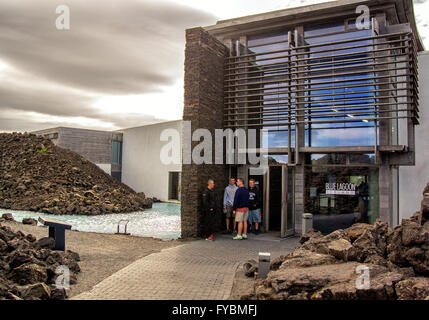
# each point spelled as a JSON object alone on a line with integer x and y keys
{"x": 397, "y": 11}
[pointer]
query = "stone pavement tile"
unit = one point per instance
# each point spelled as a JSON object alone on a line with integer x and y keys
{"x": 197, "y": 270}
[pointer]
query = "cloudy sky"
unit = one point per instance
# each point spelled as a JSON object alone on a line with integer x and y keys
{"x": 120, "y": 64}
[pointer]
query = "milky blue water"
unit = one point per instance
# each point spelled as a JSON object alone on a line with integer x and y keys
{"x": 162, "y": 221}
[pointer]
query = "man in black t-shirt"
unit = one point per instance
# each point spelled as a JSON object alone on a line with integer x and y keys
{"x": 210, "y": 205}
{"x": 255, "y": 202}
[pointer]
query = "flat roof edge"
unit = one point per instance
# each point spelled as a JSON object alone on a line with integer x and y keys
{"x": 284, "y": 13}
{"x": 405, "y": 11}
{"x": 287, "y": 12}
{"x": 149, "y": 124}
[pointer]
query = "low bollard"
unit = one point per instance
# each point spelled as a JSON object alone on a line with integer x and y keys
{"x": 264, "y": 264}
{"x": 307, "y": 222}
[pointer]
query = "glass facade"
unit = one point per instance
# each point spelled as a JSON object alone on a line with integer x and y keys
{"x": 353, "y": 96}
{"x": 342, "y": 84}
{"x": 277, "y": 159}
{"x": 271, "y": 57}
{"x": 324, "y": 88}
{"x": 339, "y": 196}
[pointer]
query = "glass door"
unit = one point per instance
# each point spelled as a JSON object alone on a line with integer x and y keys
{"x": 275, "y": 205}
{"x": 280, "y": 196}
{"x": 287, "y": 218}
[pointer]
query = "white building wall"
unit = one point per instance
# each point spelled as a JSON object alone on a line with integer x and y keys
{"x": 106, "y": 167}
{"x": 412, "y": 180}
{"x": 142, "y": 168}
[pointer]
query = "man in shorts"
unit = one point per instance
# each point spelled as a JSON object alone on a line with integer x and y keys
{"x": 241, "y": 209}
{"x": 254, "y": 206}
{"x": 228, "y": 202}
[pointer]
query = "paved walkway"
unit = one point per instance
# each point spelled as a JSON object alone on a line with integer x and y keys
{"x": 194, "y": 271}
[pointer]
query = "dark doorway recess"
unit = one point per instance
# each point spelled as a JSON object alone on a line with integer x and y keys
{"x": 275, "y": 198}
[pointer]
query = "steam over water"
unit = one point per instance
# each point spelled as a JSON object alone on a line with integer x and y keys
{"x": 162, "y": 221}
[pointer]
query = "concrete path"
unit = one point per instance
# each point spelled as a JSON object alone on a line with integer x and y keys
{"x": 195, "y": 271}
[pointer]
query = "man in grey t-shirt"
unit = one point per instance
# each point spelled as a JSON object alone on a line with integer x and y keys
{"x": 228, "y": 202}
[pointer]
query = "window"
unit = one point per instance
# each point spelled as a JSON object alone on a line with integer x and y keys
{"x": 362, "y": 158}
{"x": 174, "y": 186}
{"x": 340, "y": 87}
{"x": 116, "y": 152}
{"x": 341, "y": 196}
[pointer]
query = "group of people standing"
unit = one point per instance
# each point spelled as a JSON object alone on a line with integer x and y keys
{"x": 241, "y": 207}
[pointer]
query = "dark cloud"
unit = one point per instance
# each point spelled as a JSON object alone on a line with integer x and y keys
{"x": 45, "y": 101}
{"x": 56, "y": 103}
{"x": 113, "y": 46}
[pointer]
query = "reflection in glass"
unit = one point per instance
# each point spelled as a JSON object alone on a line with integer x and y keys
{"x": 341, "y": 196}
{"x": 353, "y": 96}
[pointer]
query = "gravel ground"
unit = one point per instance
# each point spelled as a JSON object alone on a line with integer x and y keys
{"x": 101, "y": 254}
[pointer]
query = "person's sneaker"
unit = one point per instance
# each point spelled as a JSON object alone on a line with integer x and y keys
{"x": 211, "y": 238}
{"x": 244, "y": 236}
{"x": 237, "y": 238}
{"x": 256, "y": 231}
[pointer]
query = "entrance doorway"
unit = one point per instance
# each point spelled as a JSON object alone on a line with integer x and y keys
{"x": 275, "y": 199}
{"x": 280, "y": 200}
{"x": 277, "y": 188}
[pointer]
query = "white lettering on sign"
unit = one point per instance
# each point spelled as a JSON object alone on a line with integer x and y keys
{"x": 347, "y": 189}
